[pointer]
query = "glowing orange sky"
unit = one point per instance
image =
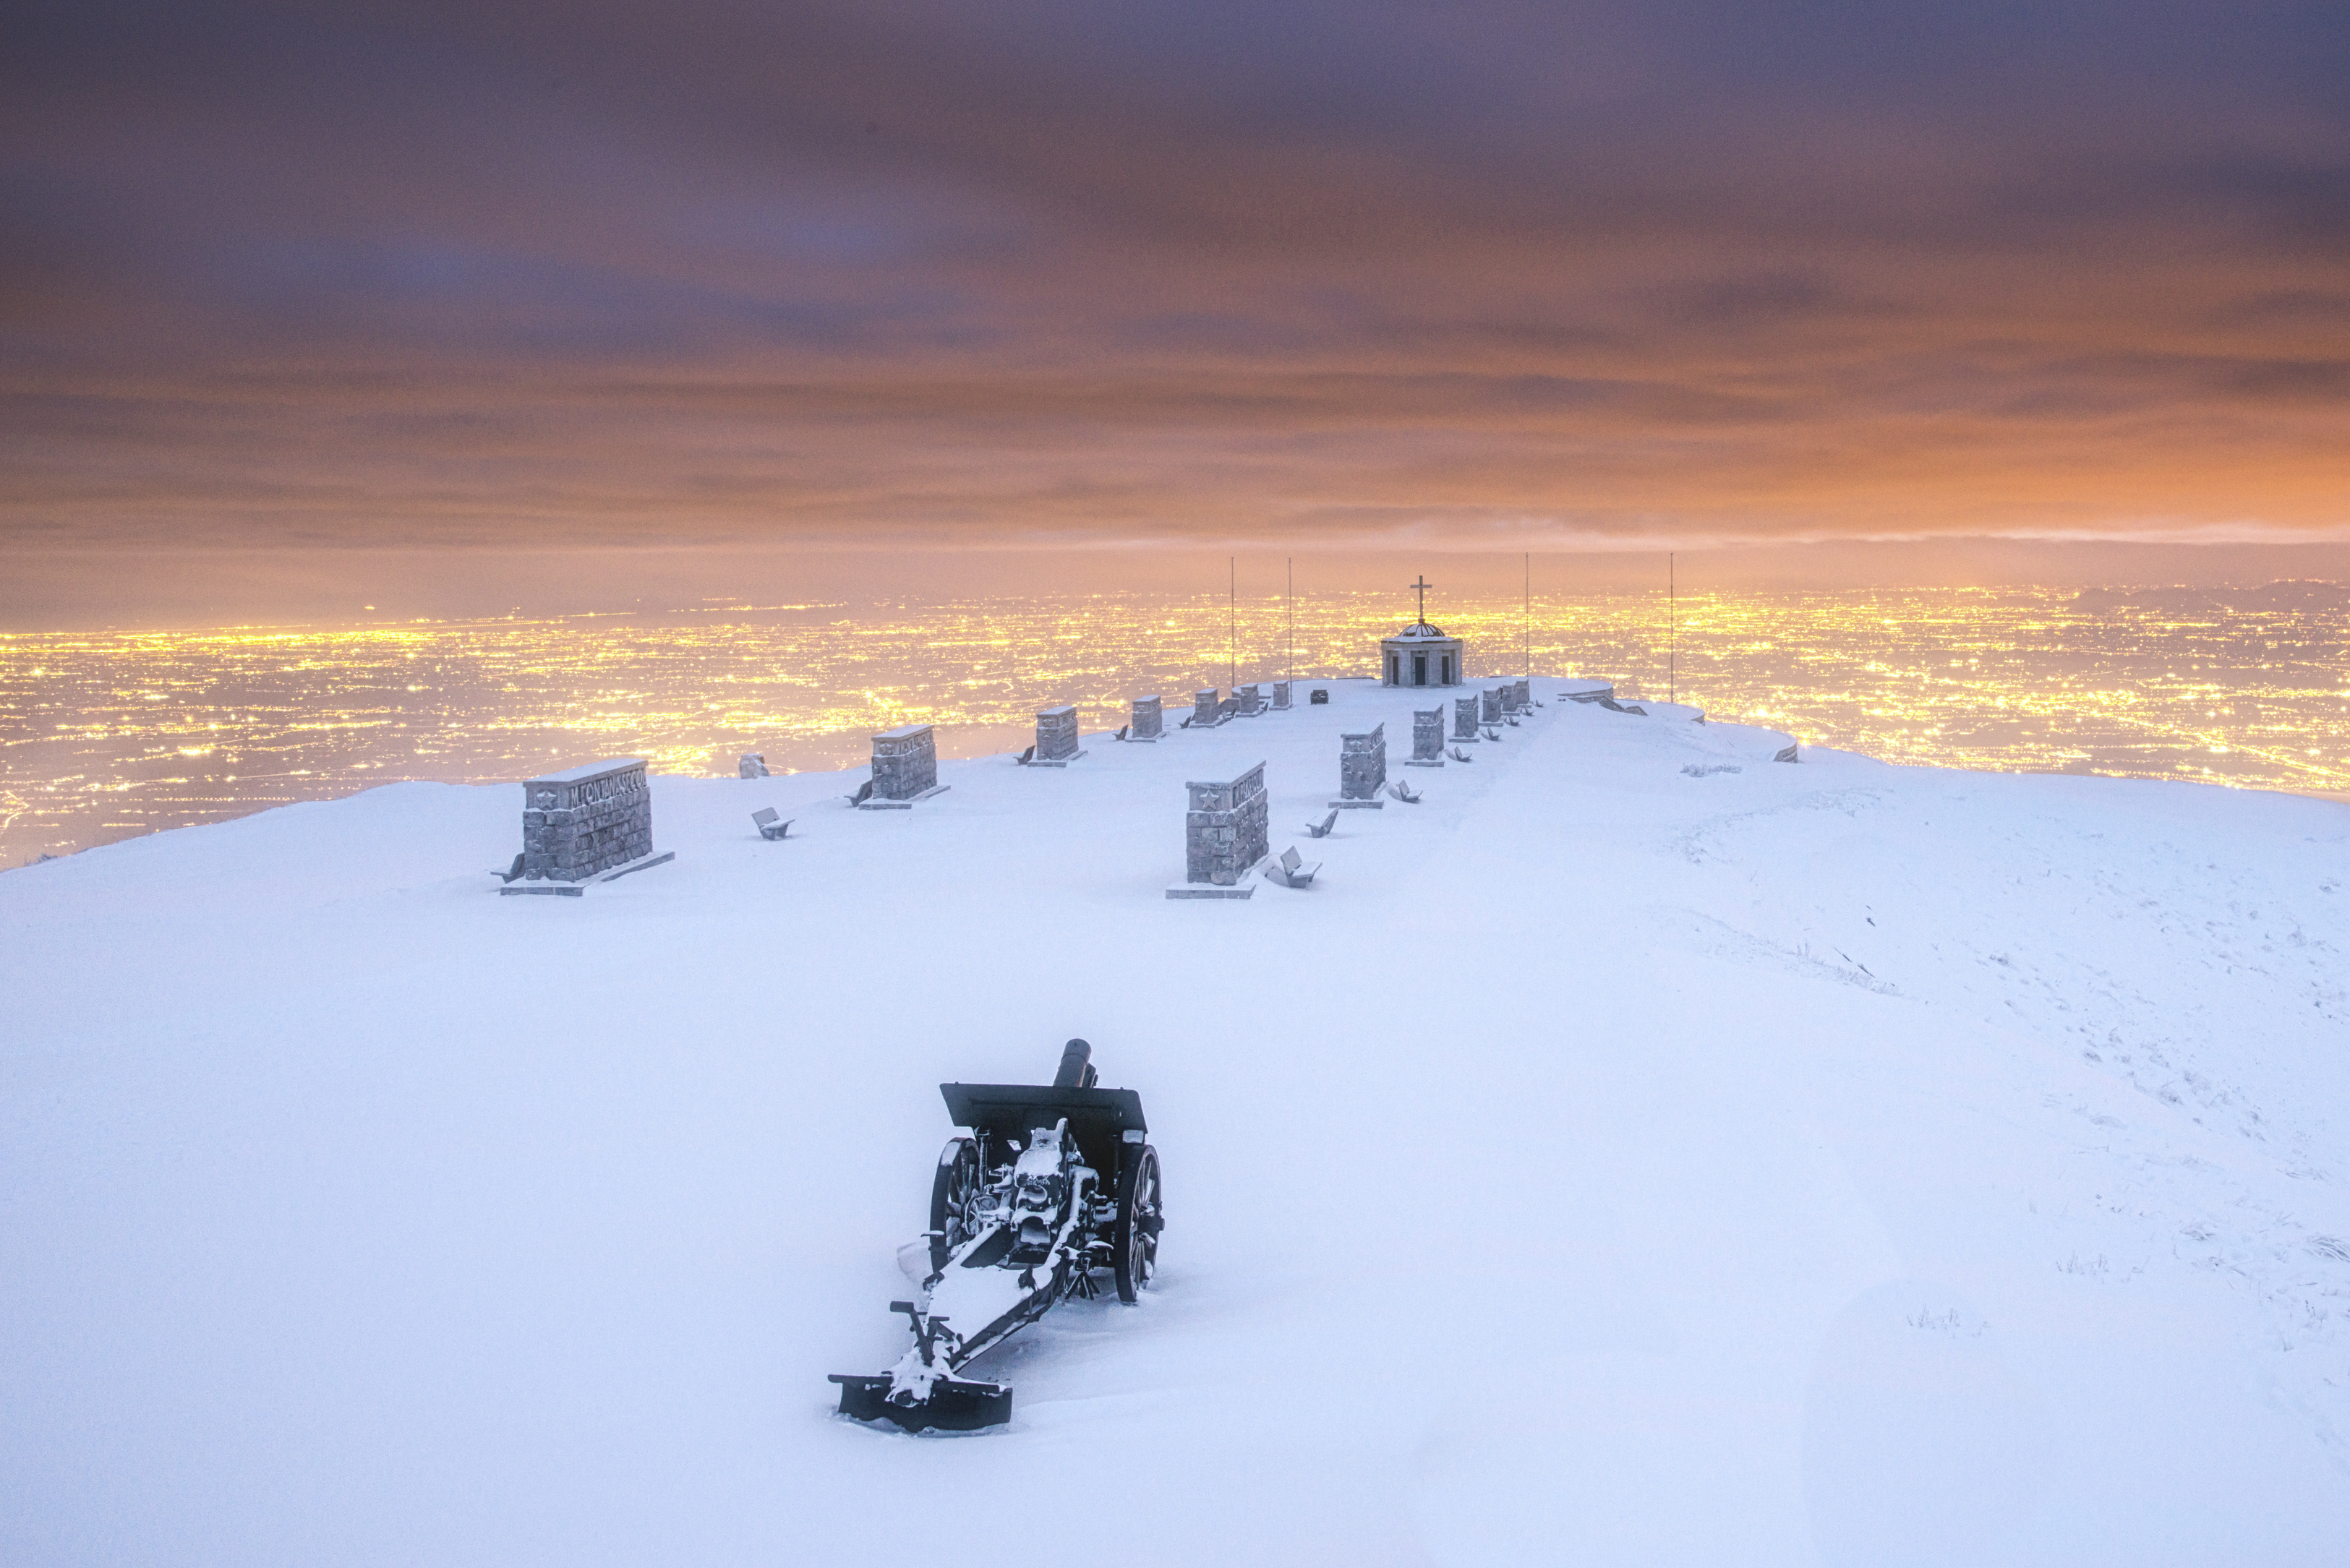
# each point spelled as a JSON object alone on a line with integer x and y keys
{"x": 1484, "y": 276}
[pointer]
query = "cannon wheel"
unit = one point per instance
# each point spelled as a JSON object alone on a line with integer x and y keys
{"x": 1136, "y": 1243}
{"x": 951, "y": 1190}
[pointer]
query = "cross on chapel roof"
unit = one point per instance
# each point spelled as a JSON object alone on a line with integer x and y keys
{"x": 1421, "y": 628}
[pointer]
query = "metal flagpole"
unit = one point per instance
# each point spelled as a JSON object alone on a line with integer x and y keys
{"x": 1232, "y": 626}
{"x": 1672, "y": 634}
{"x": 1292, "y": 618}
{"x": 1529, "y": 615}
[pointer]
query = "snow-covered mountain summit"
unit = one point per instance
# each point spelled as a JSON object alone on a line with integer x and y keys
{"x": 1640, "y": 1152}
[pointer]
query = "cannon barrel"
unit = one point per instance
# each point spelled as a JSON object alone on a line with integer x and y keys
{"x": 1076, "y": 1071}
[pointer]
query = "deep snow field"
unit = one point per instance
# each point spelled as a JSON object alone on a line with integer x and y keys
{"x": 1833, "y": 1163}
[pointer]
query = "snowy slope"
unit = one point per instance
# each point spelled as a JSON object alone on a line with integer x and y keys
{"x": 1830, "y": 1163}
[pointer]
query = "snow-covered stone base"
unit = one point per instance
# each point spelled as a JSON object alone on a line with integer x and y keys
{"x": 906, "y": 804}
{"x": 575, "y": 890}
{"x": 1210, "y": 890}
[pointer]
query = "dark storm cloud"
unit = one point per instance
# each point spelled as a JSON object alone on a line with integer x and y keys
{"x": 736, "y": 270}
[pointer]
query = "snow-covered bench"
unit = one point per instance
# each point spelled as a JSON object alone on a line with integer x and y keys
{"x": 764, "y": 819}
{"x": 1290, "y": 871}
{"x": 1322, "y": 830}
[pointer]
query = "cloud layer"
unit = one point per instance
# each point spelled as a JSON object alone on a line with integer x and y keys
{"x": 1488, "y": 274}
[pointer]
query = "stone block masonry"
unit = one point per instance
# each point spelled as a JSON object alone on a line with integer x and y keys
{"x": 1224, "y": 838}
{"x": 1204, "y": 708}
{"x": 1464, "y": 720}
{"x": 1056, "y": 734}
{"x": 1148, "y": 720}
{"x": 1428, "y": 737}
{"x": 1490, "y": 706}
{"x": 1362, "y": 769}
{"x": 1280, "y": 696}
{"x": 905, "y": 762}
{"x": 586, "y": 821}
{"x": 1251, "y": 700}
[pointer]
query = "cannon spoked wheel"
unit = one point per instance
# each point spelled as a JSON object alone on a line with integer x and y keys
{"x": 951, "y": 1190}
{"x": 1136, "y": 1243}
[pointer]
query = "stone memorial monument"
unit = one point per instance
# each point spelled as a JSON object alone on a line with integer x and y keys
{"x": 1428, "y": 737}
{"x": 1203, "y": 708}
{"x": 1148, "y": 720}
{"x": 1251, "y": 700}
{"x": 905, "y": 769}
{"x": 591, "y": 824}
{"x": 1224, "y": 838}
{"x": 1280, "y": 696}
{"x": 1057, "y": 738}
{"x": 1490, "y": 705}
{"x": 1362, "y": 770}
{"x": 754, "y": 765}
{"x": 1464, "y": 720}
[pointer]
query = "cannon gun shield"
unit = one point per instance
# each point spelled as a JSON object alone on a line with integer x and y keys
{"x": 1099, "y": 1119}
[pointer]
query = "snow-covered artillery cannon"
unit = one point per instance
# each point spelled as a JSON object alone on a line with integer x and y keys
{"x": 1053, "y": 1192}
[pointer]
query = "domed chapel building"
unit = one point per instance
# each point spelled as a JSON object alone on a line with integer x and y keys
{"x": 1421, "y": 654}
